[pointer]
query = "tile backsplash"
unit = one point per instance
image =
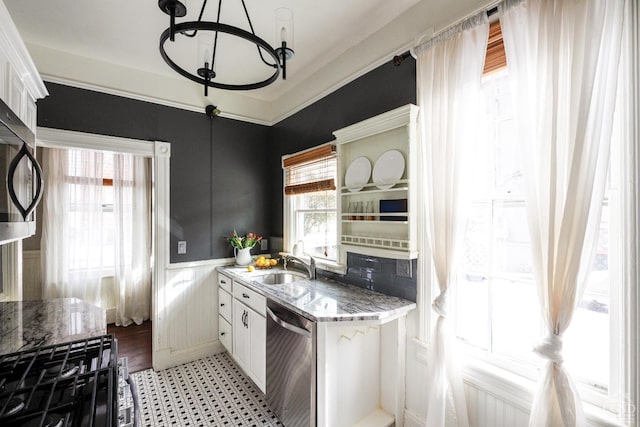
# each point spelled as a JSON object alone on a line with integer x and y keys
{"x": 385, "y": 275}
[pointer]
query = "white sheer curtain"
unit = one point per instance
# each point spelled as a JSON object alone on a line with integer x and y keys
{"x": 563, "y": 60}
{"x": 132, "y": 208}
{"x": 449, "y": 70}
{"x": 84, "y": 240}
{"x": 72, "y": 207}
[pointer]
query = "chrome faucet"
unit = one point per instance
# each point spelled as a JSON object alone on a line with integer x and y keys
{"x": 311, "y": 267}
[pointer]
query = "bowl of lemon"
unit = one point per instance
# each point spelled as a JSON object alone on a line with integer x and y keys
{"x": 264, "y": 262}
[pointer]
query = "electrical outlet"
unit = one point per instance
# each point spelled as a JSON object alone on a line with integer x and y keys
{"x": 182, "y": 247}
{"x": 264, "y": 244}
{"x": 403, "y": 268}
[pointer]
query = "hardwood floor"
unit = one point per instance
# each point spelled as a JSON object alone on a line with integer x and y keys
{"x": 134, "y": 342}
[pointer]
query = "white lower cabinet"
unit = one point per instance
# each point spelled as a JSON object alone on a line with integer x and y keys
{"x": 225, "y": 332}
{"x": 249, "y": 342}
{"x": 242, "y": 327}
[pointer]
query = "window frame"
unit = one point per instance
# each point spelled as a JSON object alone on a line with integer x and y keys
{"x": 590, "y": 391}
{"x": 290, "y": 213}
{"x": 107, "y": 270}
{"x": 515, "y": 383}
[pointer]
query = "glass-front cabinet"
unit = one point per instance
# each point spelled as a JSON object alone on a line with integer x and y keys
{"x": 377, "y": 168}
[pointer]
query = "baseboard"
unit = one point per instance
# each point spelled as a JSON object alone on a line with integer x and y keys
{"x": 166, "y": 358}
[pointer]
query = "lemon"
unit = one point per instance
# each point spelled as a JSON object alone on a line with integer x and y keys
{"x": 250, "y": 268}
{"x": 273, "y": 261}
{"x": 261, "y": 258}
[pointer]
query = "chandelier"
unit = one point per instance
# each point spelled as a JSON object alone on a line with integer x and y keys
{"x": 209, "y": 40}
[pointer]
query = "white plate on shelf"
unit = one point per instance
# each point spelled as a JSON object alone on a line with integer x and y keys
{"x": 388, "y": 169}
{"x": 358, "y": 174}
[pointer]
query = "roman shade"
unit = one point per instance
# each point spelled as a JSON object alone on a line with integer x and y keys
{"x": 495, "y": 59}
{"x": 311, "y": 170}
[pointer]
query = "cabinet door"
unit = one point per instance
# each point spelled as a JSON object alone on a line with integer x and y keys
{"x": 241, "y": 337}
{"x": 16, "y": 94}
{"x": 258, "y": 339}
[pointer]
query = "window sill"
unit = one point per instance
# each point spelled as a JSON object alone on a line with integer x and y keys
{"x": 332, "y": 266}
{"x": 323, "y": 264}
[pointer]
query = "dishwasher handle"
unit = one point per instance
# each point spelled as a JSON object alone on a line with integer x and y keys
{"x": 288, "y": 326}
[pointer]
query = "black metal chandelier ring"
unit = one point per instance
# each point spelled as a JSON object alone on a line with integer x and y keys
{"x": 222, "y": 28}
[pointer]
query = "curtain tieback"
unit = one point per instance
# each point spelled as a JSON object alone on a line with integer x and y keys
{"x": 440, "y": 304}
{"x": 550, "y": 348}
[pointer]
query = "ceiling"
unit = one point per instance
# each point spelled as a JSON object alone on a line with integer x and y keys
{"x": 113, "y": 46}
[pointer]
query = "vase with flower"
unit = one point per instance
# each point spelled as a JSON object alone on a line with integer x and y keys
{"x": 242, "y": 246}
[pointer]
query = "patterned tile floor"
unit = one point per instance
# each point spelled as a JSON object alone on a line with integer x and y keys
{"x": 208, "y": 392}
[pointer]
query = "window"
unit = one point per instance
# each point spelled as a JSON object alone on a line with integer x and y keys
{"x": 90, "y": 179}
{"x": 310, "y": 202}
{"x": 495, "y": 283}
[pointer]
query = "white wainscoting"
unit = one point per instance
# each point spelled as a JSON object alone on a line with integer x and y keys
{"x": 485, "y": 410}
{"x": 191, "y": 294}
{"x": 191, "y": 309}
{"x": 493, "y": 400}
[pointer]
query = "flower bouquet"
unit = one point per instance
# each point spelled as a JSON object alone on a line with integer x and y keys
{"x": 243, "y": 242}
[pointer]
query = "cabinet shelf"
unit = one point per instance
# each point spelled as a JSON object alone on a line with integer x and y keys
{"x": 379, "y": 234}
{"x": 373, "y": 189}
{"x": 377, "y": 220}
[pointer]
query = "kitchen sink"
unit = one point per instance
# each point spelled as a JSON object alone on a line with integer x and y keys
{"x": 280, "y": 278}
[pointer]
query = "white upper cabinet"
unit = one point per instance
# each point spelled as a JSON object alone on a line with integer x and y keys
{"x": 20, "y": 82}
{"x": 377, "y": 169}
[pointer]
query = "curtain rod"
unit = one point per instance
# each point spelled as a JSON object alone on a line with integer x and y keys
{"x": 399, "y": 59}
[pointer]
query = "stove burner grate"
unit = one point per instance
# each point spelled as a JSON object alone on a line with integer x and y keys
{"x": 70, "y": 384}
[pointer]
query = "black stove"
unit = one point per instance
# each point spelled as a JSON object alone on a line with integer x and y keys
{"x": 69, "y": 384}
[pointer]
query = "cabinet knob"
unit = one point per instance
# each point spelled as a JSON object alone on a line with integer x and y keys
{"x": 222, "y": 334}
{"x": 221, "y": 304}
{"x": 245, "y": 295}
{"x": 224, "y": 282}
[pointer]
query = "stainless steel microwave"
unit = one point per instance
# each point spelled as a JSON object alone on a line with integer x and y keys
{"x": 23, "y": 178}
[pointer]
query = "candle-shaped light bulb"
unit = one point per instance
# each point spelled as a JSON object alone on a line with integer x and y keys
{"x": 206, "y": 57}
{"x": 283, "y": 34}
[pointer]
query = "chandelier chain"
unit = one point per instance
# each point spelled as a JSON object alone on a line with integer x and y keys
{"x": 215, "y": 42}
{"x": 254, "y": 33}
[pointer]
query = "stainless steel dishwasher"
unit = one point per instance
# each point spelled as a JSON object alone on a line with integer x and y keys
{"x": 291, "y": 366}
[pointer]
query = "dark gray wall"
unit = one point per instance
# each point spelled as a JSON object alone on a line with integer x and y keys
{"x": 226, "y": 174}
{"x": 380, "y": 90}
{"x": 218, "y": 170}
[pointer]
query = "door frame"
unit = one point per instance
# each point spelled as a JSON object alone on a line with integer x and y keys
{"x": 160, "y": 153}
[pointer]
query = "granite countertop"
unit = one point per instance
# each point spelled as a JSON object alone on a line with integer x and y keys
{"x": 324, "y": 300}
{"x": 29, "y": 324}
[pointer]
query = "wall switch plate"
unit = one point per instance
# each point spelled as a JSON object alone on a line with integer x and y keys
{"x": 182, "y": 247}
{"x": 264, "y": 244}
{"x": 403, "y": 268}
